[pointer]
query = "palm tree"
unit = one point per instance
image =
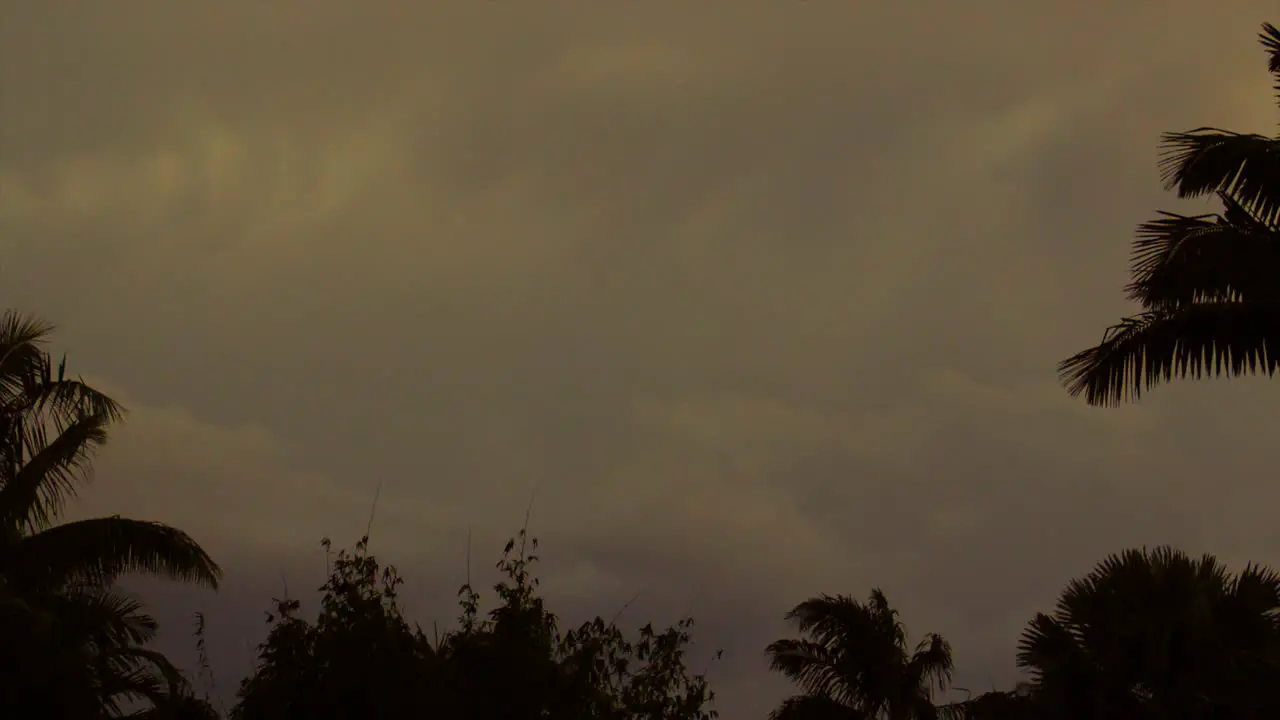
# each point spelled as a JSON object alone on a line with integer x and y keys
{"x": 1159, "y": 634}
{"x": 1209, "y": 305}
{"x": 80, "y": 653}
{"x": 853, "y": 663}
{"x": 60, "y": 615}
{"x": 50, "y": 425}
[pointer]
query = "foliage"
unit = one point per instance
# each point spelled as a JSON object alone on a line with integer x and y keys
{"x": 80, "y": 653}
{"x": 1148, "y": 634}
{"x": 1204, "y": 283}
{"x": 50, "y": 426}
{"x": 1157, "y": 634}
{"x": 76, "y": 644}
{"x": 360, "y": 658}
{"x": 852, "y": 661}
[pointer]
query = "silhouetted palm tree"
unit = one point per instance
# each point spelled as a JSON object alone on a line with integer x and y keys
{"x": 853, "y": 662}
{"x": 1159, "y": 635}
{"x": 62, "y": 623}
{"x": 49, "y": 427}
{"x": 1205, "y": 283}
{"x": 80, "y": 653}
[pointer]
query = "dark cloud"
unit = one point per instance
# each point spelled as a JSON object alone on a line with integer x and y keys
{"x": 757, "y": 304}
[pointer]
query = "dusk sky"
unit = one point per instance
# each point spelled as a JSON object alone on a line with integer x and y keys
{"x": 753, "y": 300}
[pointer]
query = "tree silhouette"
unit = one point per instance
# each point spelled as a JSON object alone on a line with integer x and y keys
{"x": 81, "y": 653}
{"x": 50, "y": 426}
{"x": 852, "y": 661}
{"x": 62, "y": 620}
{"x": 361, "y": 658}
{"x": 1204, "y": 283}
{"x": 1157, "y": 634}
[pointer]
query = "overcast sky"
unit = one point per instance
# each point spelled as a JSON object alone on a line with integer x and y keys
{"x": 763, "y": 300}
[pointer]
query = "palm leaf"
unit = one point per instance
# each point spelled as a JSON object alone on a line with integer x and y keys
{"x": 87, "y": 643}
{"x": 29, "y": 380}
{"x": 102, "y": 549}
{"x": 35, "y": 494}
{"x": 101, "y": 617}
{"x": 62, "y": 399}
{"x": 1259, "y": 588}
{"x": 1207, "y": 160}
{"x": 131, "y": 658}
{"x": 118, "y": 687}
{"x": 1270, "y": 38}
{"x": 812, "y": 666}
{"x": 839, "y": 620}
{"x": 1048, "y": 646}
{"x": 931, "y": 665}
{"x": 1247, "y": 167}
{"x": 1209, "y": 338}
{"x": 21, "y": 355}
{"x": 1179, "y": 259}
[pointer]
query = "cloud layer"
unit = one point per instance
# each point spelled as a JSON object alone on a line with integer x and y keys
{"x": 753, "y": 305}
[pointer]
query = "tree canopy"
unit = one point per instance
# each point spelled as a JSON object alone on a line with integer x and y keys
{"x": 361, "y": 658}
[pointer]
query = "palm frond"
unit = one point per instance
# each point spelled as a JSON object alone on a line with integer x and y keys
{"x": 112, "y": 628}
{"x": 1207, "y": 160}
{"x": 128, "y": 659}
{"x": 39, "y": 402}
{"x": 932, "y": 665}
{"x": 1179, "y": 259}
{"x": 101, "y": 617}
{"x": 35, "y": 494}
{"x": 1258, "y": 587}
{"x": 21, "y": 354}
{"x": 841, "y": 621}
{"x": 101, "y": 549}
{"x": 812, "y": 666}
{"x": 1048, "y": 646}
{"x": 86, "y": 641}
{"x": 815, "y": 707}
{"x": 29, "y": 380}
{"x": 1210, "y": 338}
{"x": 119, "y": 687}
{"x": 62, "y": 399}
{"x": 1270, "y": 39}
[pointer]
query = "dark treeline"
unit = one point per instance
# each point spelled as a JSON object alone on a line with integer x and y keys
{"x": 1150, "y": 633}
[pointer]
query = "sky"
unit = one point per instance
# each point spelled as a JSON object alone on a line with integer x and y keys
{"x": 745, "y": 302}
